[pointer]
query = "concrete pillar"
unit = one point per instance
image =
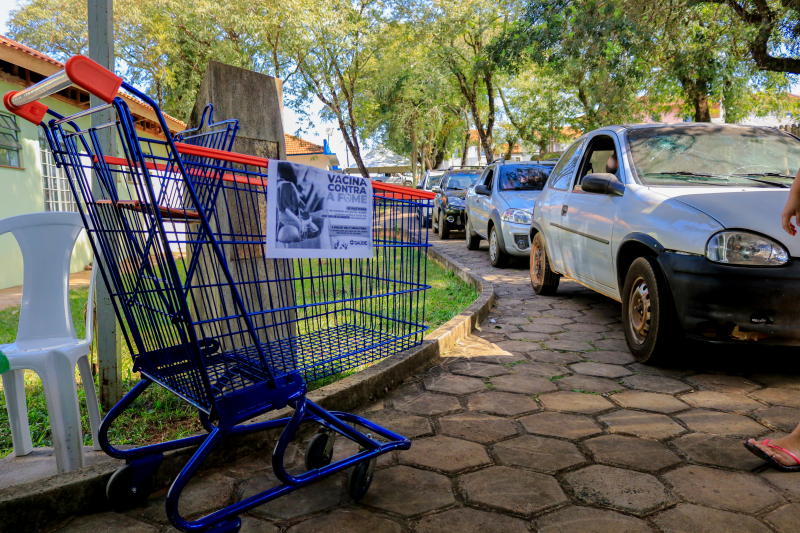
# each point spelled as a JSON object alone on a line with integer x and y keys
{"x": 256, "y": 101}
{"x": 108, "y": 336}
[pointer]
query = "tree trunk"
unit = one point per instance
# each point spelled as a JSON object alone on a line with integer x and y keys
{"x": 414, "y": 157}
{"x": 702, "y": 113}
{"x": 466, "y": 143}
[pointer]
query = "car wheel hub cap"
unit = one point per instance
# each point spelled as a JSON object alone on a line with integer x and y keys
{"x": 537, "y": 265}
{"x": 639, "y": 311}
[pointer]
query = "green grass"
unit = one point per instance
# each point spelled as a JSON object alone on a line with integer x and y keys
{"x": 158, "y": 415}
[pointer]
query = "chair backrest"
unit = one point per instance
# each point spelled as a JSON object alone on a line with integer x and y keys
{"x": 46, "y": 241}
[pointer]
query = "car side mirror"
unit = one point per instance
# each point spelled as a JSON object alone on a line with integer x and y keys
{"x": 482, "y": 190}
{"x": 436, "y": 189}
{"x": 603, "y": 183}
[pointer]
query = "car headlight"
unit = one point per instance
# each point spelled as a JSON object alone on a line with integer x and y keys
{"x": 455, "y": 201}
{"x": 518, "y": 216}
{"x": 744, "y": 248}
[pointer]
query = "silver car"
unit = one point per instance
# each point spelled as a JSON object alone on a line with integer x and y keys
{"x": 499, "y": 207}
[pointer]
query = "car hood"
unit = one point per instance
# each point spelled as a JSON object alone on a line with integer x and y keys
{"x": 520, "y": 199}
{"x": 758, "y": 210}
{"x": 456, "y": 194}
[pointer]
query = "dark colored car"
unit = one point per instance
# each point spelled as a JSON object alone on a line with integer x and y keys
{"x": 448, "y": 206}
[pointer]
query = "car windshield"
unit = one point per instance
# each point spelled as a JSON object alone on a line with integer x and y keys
{"x": 433, "y": 181}
{"x": 524, "y": 177}
{"x": 462, "y": 180}
{"x": 714, "y": 156}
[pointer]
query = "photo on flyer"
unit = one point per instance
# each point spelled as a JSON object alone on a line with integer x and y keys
{"x": 315, "y": 213}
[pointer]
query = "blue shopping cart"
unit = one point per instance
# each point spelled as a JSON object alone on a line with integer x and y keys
{"x": 178, "y": 230}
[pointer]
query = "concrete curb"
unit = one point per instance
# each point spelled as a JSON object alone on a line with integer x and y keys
{"x": 32, "y": 506}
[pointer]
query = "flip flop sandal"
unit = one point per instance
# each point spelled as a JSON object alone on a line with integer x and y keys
{"x": 758, "y": 452}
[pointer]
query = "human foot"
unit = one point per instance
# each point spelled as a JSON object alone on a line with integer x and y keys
{"x": 782, "y": 452}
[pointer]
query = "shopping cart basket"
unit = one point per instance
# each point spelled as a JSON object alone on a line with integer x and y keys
{"x": 178, "y": 234}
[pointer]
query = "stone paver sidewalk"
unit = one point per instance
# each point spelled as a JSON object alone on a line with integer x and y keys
{"x": 542, "y": 421}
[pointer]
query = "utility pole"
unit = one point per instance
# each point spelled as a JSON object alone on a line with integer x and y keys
{"x": 101, "y": 49}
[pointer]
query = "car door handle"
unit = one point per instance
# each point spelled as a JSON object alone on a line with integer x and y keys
{"x": 564, "y": 210}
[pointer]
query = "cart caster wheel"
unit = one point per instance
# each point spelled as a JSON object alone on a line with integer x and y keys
{"x": 232, "y": 525}
{"x": 359, "y": 478}
{"x": 319, "y": 451}
{"x": 122, "y": 494}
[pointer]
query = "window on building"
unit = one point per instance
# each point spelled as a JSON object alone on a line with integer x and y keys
{"x": 57, "y": 194}
{"x": 9, "y": 142}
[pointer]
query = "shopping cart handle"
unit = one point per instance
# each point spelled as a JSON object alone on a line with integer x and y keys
{"x": 79, "y": 70}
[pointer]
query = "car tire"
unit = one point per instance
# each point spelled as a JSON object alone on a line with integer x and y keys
{"x": 543, "y": 280}
{"x": 435, "y": 222}
{"x": 497, "y": 256}
{"x": 444, "y": 227}
{"x": 473, "y": 241}
{"x": 648, "y": 313}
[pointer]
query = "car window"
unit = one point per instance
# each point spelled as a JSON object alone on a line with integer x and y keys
{"x": 433, "y": 181}
{"x": 489, "y": 178}
{"x": 462, "y": 180}
{"x": 562, "y": 173}
{"x": 524, "y": 177}
{"x": 601, "y": 156}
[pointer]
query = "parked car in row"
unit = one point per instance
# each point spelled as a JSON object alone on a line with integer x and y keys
{"x": 431, "y": 179}
{"x": 448, "y": 206}
{"x": 499, "y": 207}
{"x": 681, "y": 223}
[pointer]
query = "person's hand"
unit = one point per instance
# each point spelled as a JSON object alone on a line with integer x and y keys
{"x": 791, "y": 209}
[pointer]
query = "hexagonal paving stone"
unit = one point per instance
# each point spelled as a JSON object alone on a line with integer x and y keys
{"x": 784, "y": 481}
{"x": 107, "y": 523}
{"x": 588, "y": 520}
{"x": 557, "y": 320}
{"x": 575, "y": 402}
{"x": 670, "y": 372}
{"x": 616, "y": 488}
{"x": 640, "y": 424}
{"x": 723, "y": 383}
{"x": 203, "y": 494}
{"x": 722, "y": 401}
{"x": 518, "y": 346}
{"x": 445, "y": 453}
{"x": 640, "y": 454}
{"x": 502, "y": 403}
{"x": 408, "y": 491}
{"x": 562, "y": 425}
{"x": 540, "y": 370}
{"x": 559, "y": 358}
{"x": 522, "y": 384}
{"x": 478, "y": 370}
{"x": 649, "y": 401}
{"x": 584, "y": 336}
{"x": 252, "y": 525}
{"x": 655, "y": 384}
{"x": 539, "y": 453}
{"x": 781, "y": 381}
{"x": 613, "y": 345}
{"x": 594, "y": 320}
{"x": 427, "y": 404}
{"x": 611, "y": 358}
{"x": 542, "y": 328}
{"x": 454, "y": 384}
{"x": 510, "y": 489}
{"x": 568, "y": 346}
{"x": 313, "y": 498}
{"x": 687, "y": 518}
{"x": 715, "y": 423}
{"x": 729, "y": 491}
{"x": 478, "y": 427}
{"x": 588, "y": 383}
{"x": 786, "y": 518}
{"x": 593, "y": 328}
{"x": 409, "y": 426}
{"x": 528, "y": 337}
{"x": 779, "y": 418}
{"x": 470, "y": 521}
{"x": 601, "y": 370}
{"x": 498, "y": 359}
{"x": 725, "y": 452}
{"x": 776, "y": 396}
{"x": 350, "y": 520}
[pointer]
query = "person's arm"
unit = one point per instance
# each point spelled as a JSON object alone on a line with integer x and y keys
{"x": 792, "y": 208}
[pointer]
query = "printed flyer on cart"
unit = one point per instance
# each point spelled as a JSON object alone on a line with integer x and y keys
{"x": 315, "y": 213}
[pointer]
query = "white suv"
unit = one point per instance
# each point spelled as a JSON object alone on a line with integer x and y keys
{"x": 681, "y": 223}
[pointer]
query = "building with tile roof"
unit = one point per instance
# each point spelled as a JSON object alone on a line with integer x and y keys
{"x": 29, "y": 180}
{"x": 307, "y": 153}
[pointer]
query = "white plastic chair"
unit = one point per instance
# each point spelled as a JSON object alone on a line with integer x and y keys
{"x": 46, "y": 341}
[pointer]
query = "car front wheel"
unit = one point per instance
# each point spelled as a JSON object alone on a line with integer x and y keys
{"x": 543, "y": 280}
{"x": 473, "y": 241}
{"x": 648, "y": 313}
{"x": 498, "y": 257}
{"x": 444, "y": 226}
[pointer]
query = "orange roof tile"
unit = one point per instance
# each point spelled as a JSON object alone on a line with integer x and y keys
{"x": 298, "y": 146}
